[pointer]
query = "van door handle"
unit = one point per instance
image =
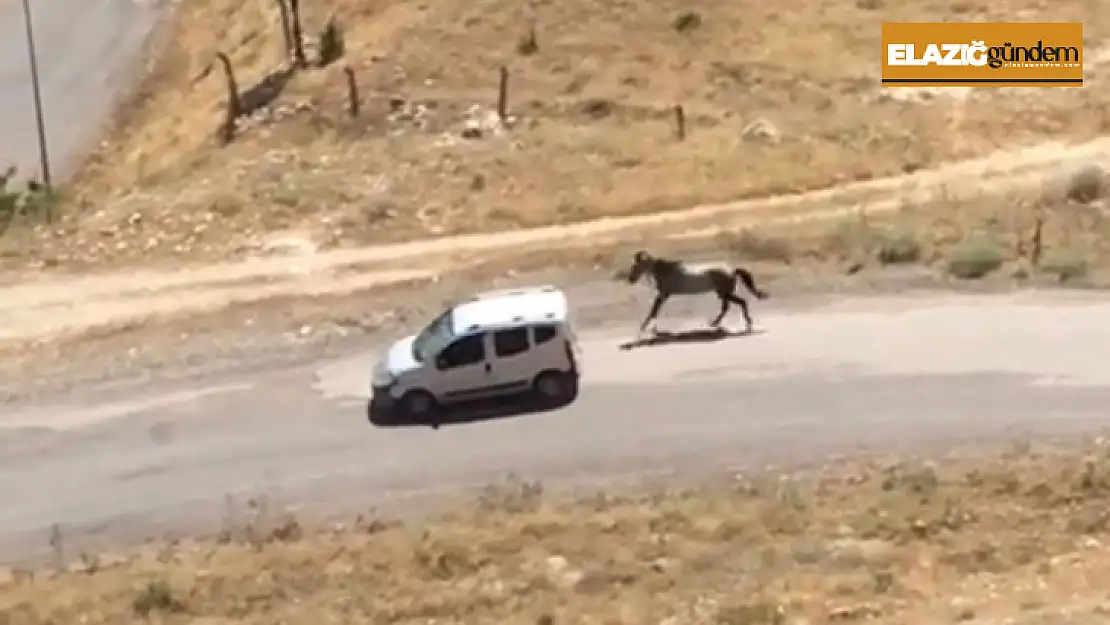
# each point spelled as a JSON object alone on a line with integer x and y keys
{"x": 489, "y": 367}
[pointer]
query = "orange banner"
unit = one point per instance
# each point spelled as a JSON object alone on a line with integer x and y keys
{"x": 995, "y": 54}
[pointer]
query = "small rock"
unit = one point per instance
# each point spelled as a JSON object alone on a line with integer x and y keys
{"x": 962, "y": 609}
{"x": 289, "y": 245}
{"x": 761, "y": 130}
{"x": 560, "y": 574}
{"x": 855, "y": 612}
{"x": 471, "y": 130}
{"x": 858, "y": 552}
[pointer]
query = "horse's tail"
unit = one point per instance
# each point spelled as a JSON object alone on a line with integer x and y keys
{"x": 749, "y": 283}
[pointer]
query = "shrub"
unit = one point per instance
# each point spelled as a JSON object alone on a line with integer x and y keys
{"x": 1065, "y": 264}
{"x": 32, "y": 202}
{"x": 332, "y": 44}
{"x": 975, "y": 258}
{"x": 898, "y": 247}
{"x": 156, "y": 596}
{"x": 756, "y": 246}
{"x": 1086, "y": 184}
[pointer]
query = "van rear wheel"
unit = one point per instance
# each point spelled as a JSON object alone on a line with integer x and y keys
{"x": 554, "y": 387}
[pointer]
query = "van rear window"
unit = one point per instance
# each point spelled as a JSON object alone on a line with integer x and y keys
{"x": 544, "y": 334}
{"x": 510, "y": 342}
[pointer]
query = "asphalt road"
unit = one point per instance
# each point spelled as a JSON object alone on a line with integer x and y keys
{"x": 873, "y": 373}
{"x": 88, "y": 52}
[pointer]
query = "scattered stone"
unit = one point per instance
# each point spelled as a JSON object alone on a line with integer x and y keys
{"x": 859, "y": 611}
{"x": 289, "y": 245}
{"x": 761, "y": 130}
{"x": 471, "y": 130}
{"x": 560, "y": 574}
{"x": 853, "y": 552}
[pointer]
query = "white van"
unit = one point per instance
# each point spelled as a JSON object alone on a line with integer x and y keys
{"x": 499, "y": 343}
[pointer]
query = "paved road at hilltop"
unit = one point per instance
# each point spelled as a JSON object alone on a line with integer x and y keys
{"x": 879, "y": 372}
{"x": 88, "y": 52}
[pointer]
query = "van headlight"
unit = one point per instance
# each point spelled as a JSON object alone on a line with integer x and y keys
{"x": 382, "y": 378}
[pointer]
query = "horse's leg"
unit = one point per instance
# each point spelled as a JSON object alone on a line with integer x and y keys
{"x": 654, "y": 312}
{"x": 716, "y": 323}
{"x": 743, "y": 308}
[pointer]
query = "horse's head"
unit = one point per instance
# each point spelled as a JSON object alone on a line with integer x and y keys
{"x": 641, "y": 262}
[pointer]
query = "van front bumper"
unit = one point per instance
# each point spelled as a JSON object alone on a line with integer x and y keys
{"x": 380, "y": 397}
{"x": 382, "y": 407}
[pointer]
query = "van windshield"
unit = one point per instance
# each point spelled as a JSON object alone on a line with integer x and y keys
{"x": 434, "y": 337}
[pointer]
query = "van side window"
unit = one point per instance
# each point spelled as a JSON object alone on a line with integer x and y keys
{"x": 510, "y": 342}
{"x": 468, "y": 350}
{"x": 545, "y": 333}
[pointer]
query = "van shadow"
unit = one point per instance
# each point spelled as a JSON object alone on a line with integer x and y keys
{"x": 701, "y": 335}
{"x": 474, "y": 411}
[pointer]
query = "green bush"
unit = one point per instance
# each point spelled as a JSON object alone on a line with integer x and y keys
{"x": 898, "y": 247}
{"x": 156, "y": 596}
{"x": 1086, "y": 185}
{"x": 1065, "y": 264}
{"x": 332, "y": 44}
{"x": 33, "y": 202}
{"x": 975, "y": 258}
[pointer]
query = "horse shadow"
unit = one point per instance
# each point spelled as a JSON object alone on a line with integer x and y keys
{"x": 463, "y": 413}
{"x": 700, "y": 335}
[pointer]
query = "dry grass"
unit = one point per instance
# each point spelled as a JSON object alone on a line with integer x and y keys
{"x": 592, "y": 135}
{"x": 1018, "y": 535}
{"x": 970, "y": 236}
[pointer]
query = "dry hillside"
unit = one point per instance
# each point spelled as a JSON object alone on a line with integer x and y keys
{"x": 777, "y": 96}
{"x": 1019, "y": 538}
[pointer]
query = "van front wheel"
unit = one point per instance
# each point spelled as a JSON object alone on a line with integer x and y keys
{"x": 554, "y": 387}
{"x": 416, "y": 404}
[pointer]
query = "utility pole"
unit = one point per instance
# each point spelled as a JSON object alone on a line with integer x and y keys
{"x": 44, "y": 159}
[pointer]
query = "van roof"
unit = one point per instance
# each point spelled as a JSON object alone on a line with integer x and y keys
{"x": 510, "y": 307}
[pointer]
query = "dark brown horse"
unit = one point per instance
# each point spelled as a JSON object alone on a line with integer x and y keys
{"x": 676, "y": 277}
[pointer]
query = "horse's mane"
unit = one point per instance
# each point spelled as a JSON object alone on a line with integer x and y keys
{"x": 667, "y": 263}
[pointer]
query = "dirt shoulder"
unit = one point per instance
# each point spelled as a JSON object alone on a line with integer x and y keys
{"x": 1018, "y": 535}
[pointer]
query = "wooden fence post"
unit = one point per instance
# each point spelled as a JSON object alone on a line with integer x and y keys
{"x": 503, "y": 95}
{"x": 1038, "y": 242}
{"x": 352, "y": 92}
{"x": 300, "y": 61}
{"x": 680, "y": 122}
{"x": 234, "y": 108}
{"x": 286, "y": 28}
